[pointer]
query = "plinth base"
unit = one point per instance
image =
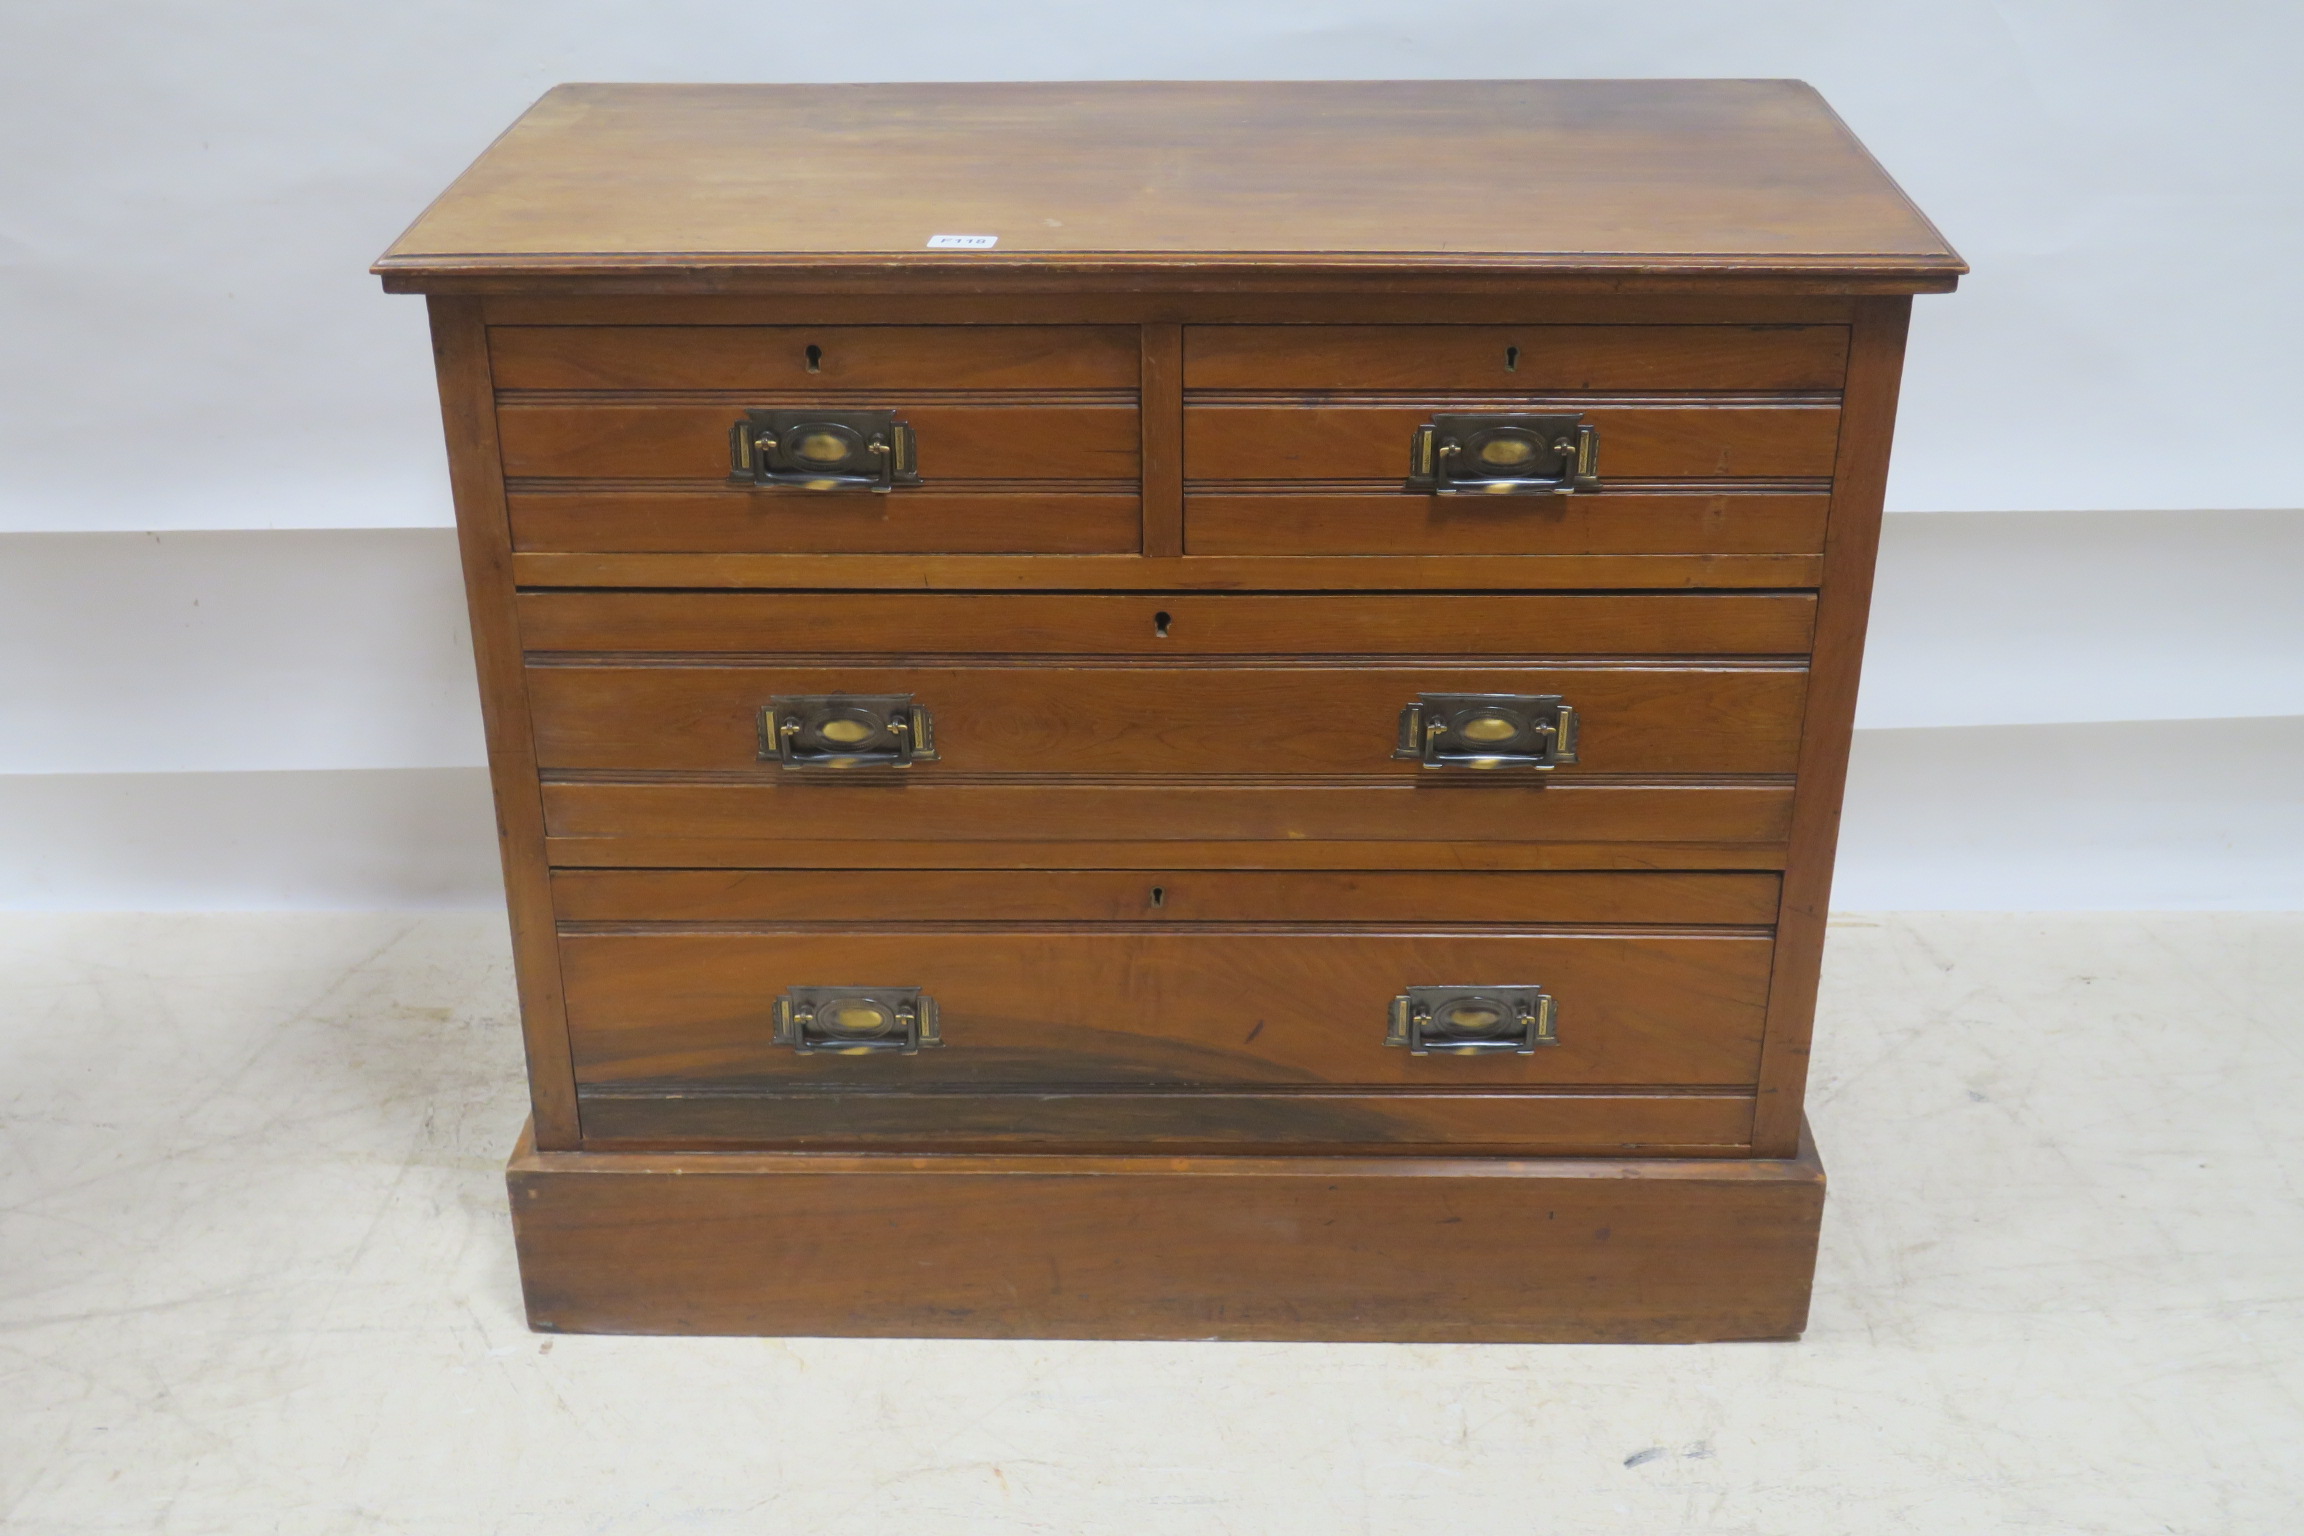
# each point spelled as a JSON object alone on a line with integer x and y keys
{"x": 1411, "y": 1249}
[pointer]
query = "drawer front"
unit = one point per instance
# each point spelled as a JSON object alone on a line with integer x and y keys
{"x": 1670, "y": 898}
{"x": 1713, "y": 439}
{"x": 673, "y": 1054}
{"x": 1119, "y": 718}
{"x": 1368, "y": 440}
{"x": 1158, "y": 624}
{"x": 1008, "y": 442}
{"x": 1021, "y": 1007}
{"x": 828, "y": 357}
{"x": 1512, "y": 823}
{"x": 1479, "y": 359}
{"x": 614, "y": 439}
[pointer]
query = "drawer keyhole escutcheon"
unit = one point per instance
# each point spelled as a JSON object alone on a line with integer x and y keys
{"x": 1504, "y": 453}
{"x": 1159, "y": 896}
{"x": 846, "y": 730}
{"x": 1536, "y": 731}
{"x": 857, "y": 1021}
{"x": 821, "y": 450}
{"x": 815, "y": 358}
{"x": 1470, "y": 1021}
{"x": 1511, "y": 359}
{"x": 1160, "y": 623}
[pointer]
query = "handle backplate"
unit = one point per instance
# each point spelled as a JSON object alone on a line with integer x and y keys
{"x": 1488, "y": 730}
{"x": 856, "y": 1021}
{"x": 846, "y": 730}
{"x": 817, "y": 450}
{"x": 1467, "y": 1021}
{"x": 1503, "y": 454}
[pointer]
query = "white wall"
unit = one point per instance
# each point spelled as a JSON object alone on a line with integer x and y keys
{"x": 192, "y": 344}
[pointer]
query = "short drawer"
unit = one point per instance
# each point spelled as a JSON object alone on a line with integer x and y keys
{"x": 824, "y": 357}
{"x": 1026, "y": 439}
{"x": 1160, "y": 625}
{"x": 1117, "y": 1006}
{"x": 1340, "y": 439}
{"x": 1009, "y": 442}
{"x": 1077, "y": 716}
{"x": 1476, "y": 359}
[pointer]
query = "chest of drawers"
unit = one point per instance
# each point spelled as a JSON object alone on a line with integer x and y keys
{"x": 1170, "y": 710}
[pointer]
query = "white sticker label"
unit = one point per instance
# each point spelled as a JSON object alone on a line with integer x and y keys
{"x": 962, "y": 242}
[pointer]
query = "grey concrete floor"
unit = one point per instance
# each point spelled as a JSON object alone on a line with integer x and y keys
{"x": 256, "y": 1276}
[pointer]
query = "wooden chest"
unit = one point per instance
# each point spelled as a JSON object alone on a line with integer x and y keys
{"x": 1170, "y": 710}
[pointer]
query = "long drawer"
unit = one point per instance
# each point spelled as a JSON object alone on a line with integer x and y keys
{"x": 1183, "y": 1008}
{"x": 736, "y": 896}
{"x": 1080, "y": 717}
{"x": 1170, "y": 624}
{"x": 1171, "y": 1008}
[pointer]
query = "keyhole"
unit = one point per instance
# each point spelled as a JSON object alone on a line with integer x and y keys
{"x": 1160, "y": 625}
{"x": 1159, "y": 895}
{"x": 815, "y": 359}
{"x": 1511, "y": 359}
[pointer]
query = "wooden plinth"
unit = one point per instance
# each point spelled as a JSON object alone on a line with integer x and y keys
{"x": 1409, "y": 1249}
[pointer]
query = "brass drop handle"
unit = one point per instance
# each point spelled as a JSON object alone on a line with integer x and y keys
{"x": 1504, "y": 454}
{"x": 823, "y": 450}
{"x": 846, "y": 730}
{"x": 857, "y": 1021}
{"x": 1466, "y": 1021}
{"x": 1536, "y": 731}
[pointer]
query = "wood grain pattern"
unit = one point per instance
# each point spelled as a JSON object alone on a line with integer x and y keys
{"x": 1106, "y": 1004}
{"x": 1199, "y": 1120}
{"x": 753, "y": 821}
{"x": 1385, "y": 520}
{"x": 968, "y": 573}
{"x": 460, "y": 357}
{"x": 1162, "y": 895}
{"x": 1333, "y": 439}
{"x": 1158, "y": 625}
{"x": 1860, "y": 486}
{"x": 971, "y": 440}
{"x": 1613, "y": 178}
{"x": 1081, "y": 717}
{"x": 1161, "y": 396}
{"x": 768, "y": 357}
{"x": 682, "y": 518}
{"x": 1526, "y": 304}
{"x": 1599, "y": 1250}
{"x": 1512, "y": 358}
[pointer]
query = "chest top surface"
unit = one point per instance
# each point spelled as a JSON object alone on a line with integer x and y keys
{"x": 1638, "y": 179}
